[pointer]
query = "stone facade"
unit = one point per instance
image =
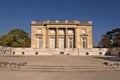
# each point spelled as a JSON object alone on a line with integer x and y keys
{"x": 61, "y": 34}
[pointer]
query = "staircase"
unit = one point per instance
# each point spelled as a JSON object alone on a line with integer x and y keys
{"x": 67, "y": 68}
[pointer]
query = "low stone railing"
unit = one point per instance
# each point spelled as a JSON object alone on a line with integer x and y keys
{"x": 12, "y": 65}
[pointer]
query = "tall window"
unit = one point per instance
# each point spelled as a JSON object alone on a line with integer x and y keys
{"x": 52, "y": 42}
{"x": 39, "y": 42}
{"x": 84, "y": 42}
{"x": 39, "y": 31}
{"x": 61, "y": 42}
{"x": 70, "y": 44}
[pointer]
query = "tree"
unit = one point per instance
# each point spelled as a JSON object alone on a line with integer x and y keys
{"x": 15, "y": 38}
{"x": 111, "y": 38}
{"x": 105, "y": 41}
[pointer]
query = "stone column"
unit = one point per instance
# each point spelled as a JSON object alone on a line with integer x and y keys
{"x": 66, "y": 38}
{"x": 47, "y": 37}
{"x": 76, "y": 38}
{"x": 57, "y": 39}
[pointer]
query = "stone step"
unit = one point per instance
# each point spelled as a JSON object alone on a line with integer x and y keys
{"x": 61, "y": 68}
{"x": 48, "y": 68}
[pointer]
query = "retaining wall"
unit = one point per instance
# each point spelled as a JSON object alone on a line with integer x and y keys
{"x": 114, "y": 52}
{"x": 58, "y": 51}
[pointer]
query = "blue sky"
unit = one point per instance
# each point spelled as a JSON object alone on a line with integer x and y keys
{"x": 105, "y": 14}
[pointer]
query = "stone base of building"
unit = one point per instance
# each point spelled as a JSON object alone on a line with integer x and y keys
{"x": 58, "y": 51}
{"x": 113, "y": 52}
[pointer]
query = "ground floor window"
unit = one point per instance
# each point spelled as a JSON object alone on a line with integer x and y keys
{"x": 61, "y": 42}
{"x": 39, "y": 42}
{"x": 84, "y": 42}
{"x": 70, "y": 42}
{"x": 52, "y": 42}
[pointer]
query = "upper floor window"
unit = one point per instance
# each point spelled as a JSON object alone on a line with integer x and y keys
{"x": 61, "y": 31}
{"x": 70, "y": 31}
{"x": 39, "y": 31}
{"x": 83, "y": 31}
{"x": 52, "y": 31}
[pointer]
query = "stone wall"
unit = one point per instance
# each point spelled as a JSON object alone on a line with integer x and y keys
{"x": 5, "y": 51}
{"x": 58, "y": 51}
{"x": 114, "y": 52}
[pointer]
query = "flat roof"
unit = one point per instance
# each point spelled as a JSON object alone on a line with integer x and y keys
{"x": 61, "y": 22}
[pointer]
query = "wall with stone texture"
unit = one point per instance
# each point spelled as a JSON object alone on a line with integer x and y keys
{"x": 58, "y": 51}
{"x": 5, "y": 51}
{"x": 114, "y": 52}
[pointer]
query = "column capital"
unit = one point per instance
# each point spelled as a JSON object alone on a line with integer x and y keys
{"x": 66, "y": 27}
{"x": 56, "y": 28}
{"x": 47, "y": 27}
{"x": 75, "y": 28}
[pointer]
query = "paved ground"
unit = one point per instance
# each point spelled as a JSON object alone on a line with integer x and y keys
{"x": 105, "y": 73}
{"x": 56, "y": 60}
{"x": 26, "y": 75}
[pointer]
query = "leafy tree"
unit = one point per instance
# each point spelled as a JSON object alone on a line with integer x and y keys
{"x": 111, "y": 38}
{"x": 105, "y": 41}
{"x": 15, "y": 38}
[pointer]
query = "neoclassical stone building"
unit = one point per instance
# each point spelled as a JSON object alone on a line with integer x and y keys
{"x": 61, "y": 34}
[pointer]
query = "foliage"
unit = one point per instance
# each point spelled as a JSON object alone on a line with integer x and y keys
{"x": 111, "y": 38}
{"x": 15, "y": 38}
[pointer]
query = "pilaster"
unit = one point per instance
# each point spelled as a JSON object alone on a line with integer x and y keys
{"x": 47, "y": 38}
{"x": 76, "y": 42}
{"x": 66, "y": 38}
{"x": 57, "y": 38}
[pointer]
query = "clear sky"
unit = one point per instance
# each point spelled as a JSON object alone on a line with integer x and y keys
{"x": 105, "y": 14}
